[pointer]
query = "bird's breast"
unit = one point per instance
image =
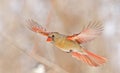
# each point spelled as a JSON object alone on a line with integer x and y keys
{"x": 65, "y": 44}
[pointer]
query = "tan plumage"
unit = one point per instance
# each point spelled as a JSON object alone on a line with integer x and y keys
{"x": 71, "y": 44}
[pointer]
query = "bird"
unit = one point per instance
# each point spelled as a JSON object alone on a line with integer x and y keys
{"x": 72, "y": 44}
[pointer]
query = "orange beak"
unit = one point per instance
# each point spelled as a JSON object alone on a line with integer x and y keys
{"x": 49, "y": 39}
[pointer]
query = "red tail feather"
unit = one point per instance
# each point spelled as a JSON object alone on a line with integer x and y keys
{"x": 89, "y": 58}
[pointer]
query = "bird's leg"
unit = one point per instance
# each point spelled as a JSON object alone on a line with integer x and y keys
{"x": 69, "y": 51}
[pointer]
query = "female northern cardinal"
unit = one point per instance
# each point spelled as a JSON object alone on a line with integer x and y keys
{"x": 72, "y": 44}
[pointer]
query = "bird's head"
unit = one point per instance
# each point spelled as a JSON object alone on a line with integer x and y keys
{"x": 53, "y": 36}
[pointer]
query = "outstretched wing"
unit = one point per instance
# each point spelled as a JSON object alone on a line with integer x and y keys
{"x": 89, "y": 33}
{"x": 34, "y": 26}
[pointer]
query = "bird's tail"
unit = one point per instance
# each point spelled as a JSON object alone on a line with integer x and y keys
{"x": 89, "y": 58}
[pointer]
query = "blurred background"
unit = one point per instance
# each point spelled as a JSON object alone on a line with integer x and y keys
{"x": 23, "y": 51}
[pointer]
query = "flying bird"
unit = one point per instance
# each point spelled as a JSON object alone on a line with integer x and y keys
{"x": 73, "y": 43}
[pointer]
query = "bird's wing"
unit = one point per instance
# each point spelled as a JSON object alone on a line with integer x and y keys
{"x": 34, "y": 26}
{"x": 89, "y": 33}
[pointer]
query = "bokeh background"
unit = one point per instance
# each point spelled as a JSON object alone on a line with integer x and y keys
{"x": 23, "y": 51}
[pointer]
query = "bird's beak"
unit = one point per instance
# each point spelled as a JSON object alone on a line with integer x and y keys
{"x": 49, "y": 39}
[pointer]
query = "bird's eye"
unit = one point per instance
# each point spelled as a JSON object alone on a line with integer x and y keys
{"x": 53, "y": 36}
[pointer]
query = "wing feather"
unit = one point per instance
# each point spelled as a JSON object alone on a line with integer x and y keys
{"x": 89, "y": 33}
{"x": 34, "y": 26}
